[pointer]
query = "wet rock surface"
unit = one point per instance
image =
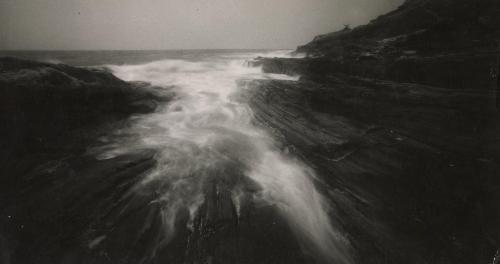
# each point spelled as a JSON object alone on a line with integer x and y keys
{"x": 52, "y": 191}
{"x": 399, "y": 118}
{"x": 60, "y": 203}
{"x": 411, "y": 169}
{"x": 404, "y": 139}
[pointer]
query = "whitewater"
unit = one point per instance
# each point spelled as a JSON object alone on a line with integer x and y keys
{"x": 207, "y": 130}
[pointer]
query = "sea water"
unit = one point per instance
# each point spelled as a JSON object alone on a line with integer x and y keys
{"x": 208, "y": 129}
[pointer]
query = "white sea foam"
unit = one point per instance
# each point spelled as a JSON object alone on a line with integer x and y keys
{"x": 206, "y": 131}
{"x": 54, "y": 61}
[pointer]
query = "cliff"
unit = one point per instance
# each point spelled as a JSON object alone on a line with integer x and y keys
{"x": 445, "y": 43}
{"x": 422, "y": 26}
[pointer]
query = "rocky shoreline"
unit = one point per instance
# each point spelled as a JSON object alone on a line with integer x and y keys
{"x": 399, "y": 118}
{"x": 61, "y": 203}
{"x": 50, "y": 115}
{"x": 412, "y": 173}
{"x": 43, "y": 102}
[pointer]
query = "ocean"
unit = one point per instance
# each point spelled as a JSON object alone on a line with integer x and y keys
{"x": 127, "y": 57}
{"x": 207, "y": 131}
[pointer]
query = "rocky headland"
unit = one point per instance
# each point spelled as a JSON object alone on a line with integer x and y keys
{"x": 449, "y": 44}
{"x": 400, "y": 119}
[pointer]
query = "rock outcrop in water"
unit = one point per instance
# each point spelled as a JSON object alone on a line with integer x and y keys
{"x": 43, "y": 102}
{"x": 399, "y": 118}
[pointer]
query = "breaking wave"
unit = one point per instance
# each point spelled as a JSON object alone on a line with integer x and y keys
{"x": 207, "y": 131}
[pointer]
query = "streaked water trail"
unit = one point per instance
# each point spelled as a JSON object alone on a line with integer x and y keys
{"x": 207, "y": 128}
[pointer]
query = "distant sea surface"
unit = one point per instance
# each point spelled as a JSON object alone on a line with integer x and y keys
{"x": 122, "y": 57}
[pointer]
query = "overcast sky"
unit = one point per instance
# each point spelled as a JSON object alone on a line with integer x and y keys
{"x": 177, "y": 24}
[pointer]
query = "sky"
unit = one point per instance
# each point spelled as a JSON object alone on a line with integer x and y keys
{"x": 177, "y": 24}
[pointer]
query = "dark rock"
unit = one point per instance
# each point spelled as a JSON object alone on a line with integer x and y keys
{"x": 56, "y": 200}
{"x": 40, "y": 103}
{"x": 446, "y": 25}
{"x": 409, "y": 167}
{"x": 63, "y": 210}
{"x": 398, "y": 118}
{"x": 451, "y": 44}
{"x": 454, "y": 71}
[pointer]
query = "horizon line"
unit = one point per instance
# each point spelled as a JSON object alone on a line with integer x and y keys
{"x": 174, "y": 49}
